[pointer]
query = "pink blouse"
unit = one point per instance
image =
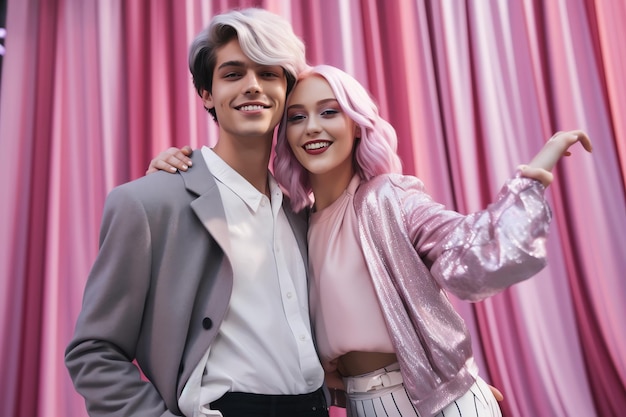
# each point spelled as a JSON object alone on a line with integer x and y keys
{"x": 344, "y": 308}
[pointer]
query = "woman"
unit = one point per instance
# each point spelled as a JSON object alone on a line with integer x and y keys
{"x": 383, "y": 254}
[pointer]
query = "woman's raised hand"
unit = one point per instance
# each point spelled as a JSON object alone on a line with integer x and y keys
{"x": 540, "y": 167}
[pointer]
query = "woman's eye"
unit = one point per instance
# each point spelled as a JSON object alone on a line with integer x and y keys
{"x": 295, "y": 118}
{"x": 329, "y": 112}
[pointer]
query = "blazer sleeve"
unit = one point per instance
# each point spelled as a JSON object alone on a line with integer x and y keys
{"x": 477, "y": 255}
{"x": 100, "y": 355}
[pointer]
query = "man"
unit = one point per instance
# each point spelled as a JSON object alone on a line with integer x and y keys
{"x": 201, "y": 276}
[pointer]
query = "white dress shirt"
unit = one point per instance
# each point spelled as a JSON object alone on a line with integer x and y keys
{"x": 264, "y": 344}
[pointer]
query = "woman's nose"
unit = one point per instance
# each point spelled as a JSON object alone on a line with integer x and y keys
{"x": 312, "y": 126}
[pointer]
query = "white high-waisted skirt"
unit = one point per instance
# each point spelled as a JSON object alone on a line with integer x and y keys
{"x": 393, "y": 401}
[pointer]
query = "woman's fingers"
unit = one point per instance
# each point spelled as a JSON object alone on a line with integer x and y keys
{"x": 171, "y": 160}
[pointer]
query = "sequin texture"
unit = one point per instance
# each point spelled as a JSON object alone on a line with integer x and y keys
{"x": 417, "y": 251}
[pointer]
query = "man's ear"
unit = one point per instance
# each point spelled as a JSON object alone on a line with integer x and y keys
{"x": 207, "y": 99}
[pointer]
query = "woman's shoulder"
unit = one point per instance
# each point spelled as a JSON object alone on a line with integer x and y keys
{"x": 387, "y": 190}
{"x": 391, "y": 181}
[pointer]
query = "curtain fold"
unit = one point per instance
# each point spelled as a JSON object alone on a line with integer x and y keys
{"x": 92, "y": 90}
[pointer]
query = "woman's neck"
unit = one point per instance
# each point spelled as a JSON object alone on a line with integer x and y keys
{"x": 328, "y": 187}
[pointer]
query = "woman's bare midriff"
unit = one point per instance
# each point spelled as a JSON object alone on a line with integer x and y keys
{"x": 358, "y": 363}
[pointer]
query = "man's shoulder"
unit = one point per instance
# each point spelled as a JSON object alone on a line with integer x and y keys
{"x": 160, "y": 188}
{"x": 157, "y": 182}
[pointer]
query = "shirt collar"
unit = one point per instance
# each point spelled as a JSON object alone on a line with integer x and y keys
{"x": 232, "y": 180}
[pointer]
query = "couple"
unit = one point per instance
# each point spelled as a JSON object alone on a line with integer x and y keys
{"x": 201, "y": 276}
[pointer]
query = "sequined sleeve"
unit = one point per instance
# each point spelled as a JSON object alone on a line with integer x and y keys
{"x": 480, "y": 254}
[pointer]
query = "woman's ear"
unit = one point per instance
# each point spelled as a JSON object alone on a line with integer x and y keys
{"x": 357, "y": 132}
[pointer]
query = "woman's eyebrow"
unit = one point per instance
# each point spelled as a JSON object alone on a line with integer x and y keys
{"x": 323, "y": 101}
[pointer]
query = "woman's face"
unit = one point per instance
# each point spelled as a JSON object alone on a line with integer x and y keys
{"x": 320, "y": 134}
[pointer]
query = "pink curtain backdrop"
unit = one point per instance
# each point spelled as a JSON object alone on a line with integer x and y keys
{"x": 92, "y": 90}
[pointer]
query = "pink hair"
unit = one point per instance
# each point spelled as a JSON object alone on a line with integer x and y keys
{"x": 375, "y": 153}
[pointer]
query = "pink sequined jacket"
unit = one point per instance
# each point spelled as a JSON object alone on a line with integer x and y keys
{"x": 417, "y": 250}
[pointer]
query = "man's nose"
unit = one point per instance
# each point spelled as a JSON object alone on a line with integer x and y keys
{"x": 252, "y": 84}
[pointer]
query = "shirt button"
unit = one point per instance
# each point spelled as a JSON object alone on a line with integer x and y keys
{"x": 289, "y": 295}
{"x": 302, "y": 337}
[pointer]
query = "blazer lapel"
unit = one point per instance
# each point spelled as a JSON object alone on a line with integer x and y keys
{"x": 208, "y": 206}
{"x": 209, "y": 209}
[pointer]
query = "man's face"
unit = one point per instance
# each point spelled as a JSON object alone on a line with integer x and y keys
{"x": 249, "y": 98}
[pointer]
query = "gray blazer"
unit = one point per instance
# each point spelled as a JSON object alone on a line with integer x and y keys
{"x": 157, "y": 292}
